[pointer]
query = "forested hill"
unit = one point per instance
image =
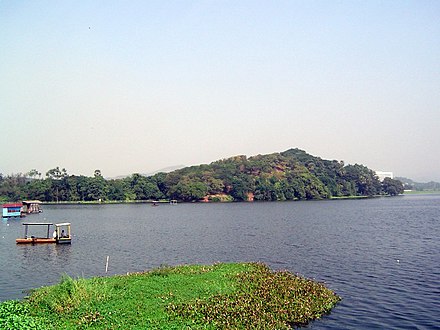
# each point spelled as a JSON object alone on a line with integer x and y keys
{"x": 289, "y": 175}
{"x": 292, "y": 174}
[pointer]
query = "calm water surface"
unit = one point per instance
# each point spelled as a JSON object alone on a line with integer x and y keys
{"x": 382, "y": 256}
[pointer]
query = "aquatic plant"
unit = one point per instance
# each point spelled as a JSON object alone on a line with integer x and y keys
{"x": 14, "y": 315}
{"x": 219, "y": 296}
{"x": 264, "y": 300}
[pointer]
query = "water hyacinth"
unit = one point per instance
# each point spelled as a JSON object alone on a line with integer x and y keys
{"x": 264, "y": 299}
{"x": 219, "y": 296}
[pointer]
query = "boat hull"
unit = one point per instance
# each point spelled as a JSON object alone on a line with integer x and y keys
{"x": 64, "y": 241}
{"x": 35, "y": 240}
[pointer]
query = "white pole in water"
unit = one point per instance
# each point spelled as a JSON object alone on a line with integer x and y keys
{"x": 106, "y": 264}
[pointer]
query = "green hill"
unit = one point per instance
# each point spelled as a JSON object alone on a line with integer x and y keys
{"x": 289, "y": 175}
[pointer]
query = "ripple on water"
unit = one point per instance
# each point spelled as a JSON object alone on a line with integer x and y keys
{"x": 351, "y": 246}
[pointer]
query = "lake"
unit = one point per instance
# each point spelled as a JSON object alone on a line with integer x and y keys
{"x": 381, "y": 255}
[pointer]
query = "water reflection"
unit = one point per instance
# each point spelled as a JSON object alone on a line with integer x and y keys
{"x": 51, "y": 254}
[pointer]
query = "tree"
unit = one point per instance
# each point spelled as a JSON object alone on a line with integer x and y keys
{"x": 38, "y": 189}
{"x": 97, "y": 187}
{"x": 33, "y": 173}
{"x": 58, "y": 183}
{"x": 364, "y": 179}
{"x": 263, "y": 191}
{"x": 392, "y": 187}
{"x": 116, "y": 190}
{"x": 12, "y": 187}
{"x": 241, "y": 186}
{"x": 188, "y": 190}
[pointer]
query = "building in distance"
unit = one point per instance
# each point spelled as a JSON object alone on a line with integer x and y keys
{"x": 382, "y": 175}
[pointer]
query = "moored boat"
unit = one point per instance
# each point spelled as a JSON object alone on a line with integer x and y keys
{"x": 61, "y": 234}
{"x": 12, "y": 210}
{"x": 32, "y": 207}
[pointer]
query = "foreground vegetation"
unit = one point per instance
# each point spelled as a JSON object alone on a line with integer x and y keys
{"x": 289, "y": 175}
{"x": 221, "y": 296}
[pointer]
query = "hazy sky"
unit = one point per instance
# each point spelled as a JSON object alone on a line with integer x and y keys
{"x": 136, "y": 86}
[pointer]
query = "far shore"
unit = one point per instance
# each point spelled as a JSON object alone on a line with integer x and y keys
{"x": 186, "y": 202}
{"x": 164, "y": 201}
{"x": 191, "y": 202}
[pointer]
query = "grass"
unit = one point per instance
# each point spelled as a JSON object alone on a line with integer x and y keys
{"x": 220, "y": 296}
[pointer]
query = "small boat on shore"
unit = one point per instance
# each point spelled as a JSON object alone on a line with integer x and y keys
{"x": 61, "y": 233}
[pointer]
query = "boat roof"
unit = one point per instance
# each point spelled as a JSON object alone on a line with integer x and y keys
{"x": 46, "y": 224}
{"x": 12, "y": 205}
{"x": 32, "y": 202}
{"x": 62, "y": 224}
{"x": 37, "y": 224}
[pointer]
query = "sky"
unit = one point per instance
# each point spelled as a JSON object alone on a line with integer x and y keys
{"x": 136, "y": 86}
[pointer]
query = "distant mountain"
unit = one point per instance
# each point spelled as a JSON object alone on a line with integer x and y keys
{"x": 163, "y": 170}
{"x": 420, "y": 186}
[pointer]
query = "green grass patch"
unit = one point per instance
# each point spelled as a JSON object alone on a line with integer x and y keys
{"x": 220, "y": 296}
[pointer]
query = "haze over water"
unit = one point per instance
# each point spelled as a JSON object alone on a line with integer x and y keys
{"x": 380, "y": 255}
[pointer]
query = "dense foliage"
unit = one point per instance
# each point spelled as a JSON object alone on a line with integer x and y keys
{"x": 220, "y": 296}
{"x": 289, "y": 175}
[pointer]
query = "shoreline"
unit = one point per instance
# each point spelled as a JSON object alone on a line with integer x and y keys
{"x": 200, "y": 201}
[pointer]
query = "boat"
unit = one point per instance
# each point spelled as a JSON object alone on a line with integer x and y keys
{"x": 61, "y": 233}
{"x": 12, "y": 210}
{"x": 32, "y": 207}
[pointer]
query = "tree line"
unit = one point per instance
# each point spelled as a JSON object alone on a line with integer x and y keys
{"x": 290, "y": 175}
{"x": 419, "y": 186}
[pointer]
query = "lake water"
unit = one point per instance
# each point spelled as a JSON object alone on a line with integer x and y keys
{"x": 382, "y": 256}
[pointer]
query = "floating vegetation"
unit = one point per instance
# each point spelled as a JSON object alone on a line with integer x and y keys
{"x": 219, "y": 296}
{"x": 264, "y": 299}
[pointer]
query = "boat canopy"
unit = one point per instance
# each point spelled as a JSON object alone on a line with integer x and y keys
{"x": 62, "y": 224}
{"x": 32, "y": 202}
{"x": 37, "y": 224}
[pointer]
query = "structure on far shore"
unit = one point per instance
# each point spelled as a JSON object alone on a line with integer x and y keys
{"x": 382, "y": 175}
